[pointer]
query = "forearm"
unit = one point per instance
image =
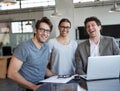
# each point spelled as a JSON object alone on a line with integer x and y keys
{"x": 13, "y": 73}
{"x": 79, "y": 67}
{"x": 79, "y": 70}
{"x": 22, "y": 81}
{"x": 49, "y": 73}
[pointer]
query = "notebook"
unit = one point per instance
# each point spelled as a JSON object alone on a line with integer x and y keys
{"x": 103, "y": 67}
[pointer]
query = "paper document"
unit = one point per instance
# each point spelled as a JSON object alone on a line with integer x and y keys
{"x": 55, "y": 79}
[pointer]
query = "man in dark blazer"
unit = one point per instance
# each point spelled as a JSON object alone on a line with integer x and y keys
{"x": 96, "y": 45}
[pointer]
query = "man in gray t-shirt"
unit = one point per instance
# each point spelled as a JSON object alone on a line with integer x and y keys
{"x": 29, "y": 60}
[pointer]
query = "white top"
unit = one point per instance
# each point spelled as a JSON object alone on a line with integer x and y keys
{"x": 94, "y": 49}
{"x": 63, "y": 57}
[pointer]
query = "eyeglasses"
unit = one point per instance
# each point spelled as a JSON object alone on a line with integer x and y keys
{"x": 44, "y": 30}
{"x": 63, "y": 27}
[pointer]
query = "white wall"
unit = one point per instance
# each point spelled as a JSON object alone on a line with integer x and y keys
{"x": 22, "y": 16}
{"x": 101, "y": 12}
{"x": 79, "y": 16}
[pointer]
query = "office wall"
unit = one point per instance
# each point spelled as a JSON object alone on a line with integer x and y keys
{"x": 15, "y": 39}
{"x": 22, "y": 16}
{"x": 79, "y": 16}
{"x": 101, "y": 12}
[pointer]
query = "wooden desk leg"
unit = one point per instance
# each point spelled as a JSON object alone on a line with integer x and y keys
{"x": 3, "y": 68}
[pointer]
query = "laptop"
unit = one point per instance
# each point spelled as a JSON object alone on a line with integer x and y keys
{"x": 102, "y": 67}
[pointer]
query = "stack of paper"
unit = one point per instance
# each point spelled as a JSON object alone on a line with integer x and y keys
{"x": 55, "y": 79}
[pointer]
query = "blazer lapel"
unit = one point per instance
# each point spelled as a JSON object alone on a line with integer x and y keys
{"x": 101, "y": 46}
{"x": 88, "y": 48}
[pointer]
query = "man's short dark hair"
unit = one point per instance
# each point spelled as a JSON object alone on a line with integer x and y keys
{"x": 45, "y": 20}
{"x": 92, "y": 18}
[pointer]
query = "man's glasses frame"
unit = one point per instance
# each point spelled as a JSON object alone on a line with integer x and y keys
{"x": 44, "y": 30}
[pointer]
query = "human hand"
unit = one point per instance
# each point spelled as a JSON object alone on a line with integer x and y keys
{"x": 37, "y": 86}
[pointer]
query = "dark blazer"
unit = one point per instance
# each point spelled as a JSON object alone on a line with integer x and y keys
{"x": 107, "y": 46}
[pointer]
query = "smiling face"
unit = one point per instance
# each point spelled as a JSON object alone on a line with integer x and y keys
{"x": 93, "y": 29}
{"x": 43, "y": 32}
{"x": 64, "y": 28}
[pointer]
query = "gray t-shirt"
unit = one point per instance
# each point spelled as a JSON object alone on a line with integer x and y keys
{"x": 63, "y": 58}
{"x": 34, "y": 60}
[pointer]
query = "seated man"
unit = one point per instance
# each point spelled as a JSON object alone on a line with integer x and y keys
{"x": 28, "y": 63}
{"x": 96, "y": 45}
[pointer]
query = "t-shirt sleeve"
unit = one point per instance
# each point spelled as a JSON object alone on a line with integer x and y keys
{"x": 20, "y": 52}
{"x": 75, "y": 44}
{"x": 50, "y": 44}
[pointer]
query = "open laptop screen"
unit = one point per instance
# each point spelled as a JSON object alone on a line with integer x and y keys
{"x": 103, "y": 67}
